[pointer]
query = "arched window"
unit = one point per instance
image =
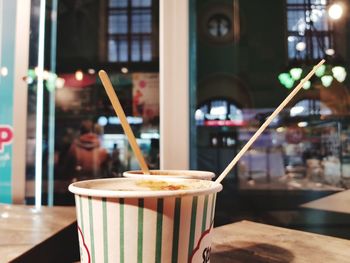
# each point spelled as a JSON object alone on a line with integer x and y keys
{"x": 219, "y": 112}
{"x": 308, "y": 107}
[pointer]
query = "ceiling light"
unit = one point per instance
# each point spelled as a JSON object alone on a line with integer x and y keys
{"x": 335, "y": 11}
{"x": 326, "y": 80}
{"x": 79, "y": 75}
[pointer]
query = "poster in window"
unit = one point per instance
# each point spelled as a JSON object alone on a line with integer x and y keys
{"x": 146, "y": 95}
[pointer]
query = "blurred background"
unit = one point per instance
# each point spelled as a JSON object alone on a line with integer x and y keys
{"x": 244, "y": 58}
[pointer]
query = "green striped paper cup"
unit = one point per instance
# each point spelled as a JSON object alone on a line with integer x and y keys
{"x": 188, "y": 174}
{"x": 143, "y": 225}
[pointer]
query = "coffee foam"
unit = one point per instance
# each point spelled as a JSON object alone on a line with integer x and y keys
{"x": 146, "y": 185}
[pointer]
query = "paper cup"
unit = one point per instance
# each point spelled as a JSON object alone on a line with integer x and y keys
{"x": 192, "y": 174}
{"x": 144, "y": 225}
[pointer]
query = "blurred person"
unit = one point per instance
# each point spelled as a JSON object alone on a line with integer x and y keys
{"x": 86, "y": 159}
{"x": 153, "y": 157}
{"x": 117, "y": 165}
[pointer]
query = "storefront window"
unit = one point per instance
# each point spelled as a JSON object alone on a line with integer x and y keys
{"x": 304, "y": 151}
{"x": 87, "y": 140}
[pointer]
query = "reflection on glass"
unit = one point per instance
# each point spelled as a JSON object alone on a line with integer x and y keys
{"x": 112, "y": 51}
{"x": 218, "y": 109}
{"x": 89, "y": 141}
{"x": 219, "y": 25}
{"x": 136, "y": 49}
{"x": 118, "y": 3}
{"x": 309, "y": 107}
{"x": 141, "y": 3}
{"x": 141, "y": 21}
{"x": 308, "y": 29}
{"x": 130, "y": 31}
{"x": 146, "y": 49}
{"x": 118, "y": 23}
{"x": 305, "y": 151}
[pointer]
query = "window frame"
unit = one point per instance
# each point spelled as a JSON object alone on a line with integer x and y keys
{"x": 129, "y": 35}
{"x": 323, "y": 38}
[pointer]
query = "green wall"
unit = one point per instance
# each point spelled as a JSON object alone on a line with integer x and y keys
{"x": 256, "y": 59}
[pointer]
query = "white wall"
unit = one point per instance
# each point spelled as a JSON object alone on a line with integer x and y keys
{"x": 20, "y": 100}
{"x": 174, "y": 84}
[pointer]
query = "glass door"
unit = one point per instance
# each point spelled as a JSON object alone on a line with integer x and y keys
{"x": 14, "y": 48}
{"x": 81, "y": 138}
{"x": 243, "y": 63}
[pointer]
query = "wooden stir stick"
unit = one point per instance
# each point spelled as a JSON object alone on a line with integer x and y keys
{"x": 267, "y": 122}
{"x": 120, "y": 113}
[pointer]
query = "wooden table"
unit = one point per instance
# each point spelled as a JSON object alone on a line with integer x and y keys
{"x": 338, "y": 203}
{"x": 252, "y": 242}
{"x": 31, "y": 235}
{"x": 49, "y": 235}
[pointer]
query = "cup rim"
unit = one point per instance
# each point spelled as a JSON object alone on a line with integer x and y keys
{"x": 82, "y": 188}
{"x": 193, "y": 174}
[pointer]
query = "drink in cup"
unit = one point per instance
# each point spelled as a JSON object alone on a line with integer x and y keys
{"x": 145, "y": 220}
{"x": 188, "y": 174}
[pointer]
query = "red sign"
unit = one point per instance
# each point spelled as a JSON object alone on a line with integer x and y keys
{"x": 224, "y": 123}
{"x": 6, "y": 136}
{"x": 72, "y": 82}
